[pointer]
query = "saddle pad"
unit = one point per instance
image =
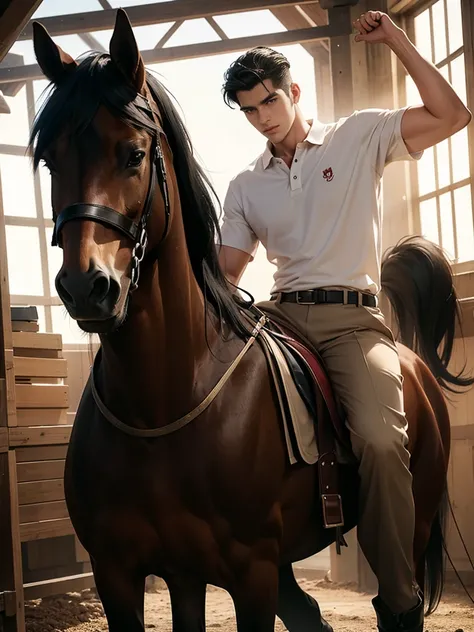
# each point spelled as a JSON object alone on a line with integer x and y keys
{"x": 297, "y": 419}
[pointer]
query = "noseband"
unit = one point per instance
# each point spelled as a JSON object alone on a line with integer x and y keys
{"x": 107, "y": 216}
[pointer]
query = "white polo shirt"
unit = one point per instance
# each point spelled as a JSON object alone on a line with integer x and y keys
{"x": 320, "y": 220}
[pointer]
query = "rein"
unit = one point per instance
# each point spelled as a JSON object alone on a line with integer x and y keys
{"x": 148, "y": 433}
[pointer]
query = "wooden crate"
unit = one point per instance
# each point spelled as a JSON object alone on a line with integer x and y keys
{"x": 51, "y": 560}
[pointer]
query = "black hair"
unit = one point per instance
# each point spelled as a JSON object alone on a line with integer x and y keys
{"x": 252, "y": 68}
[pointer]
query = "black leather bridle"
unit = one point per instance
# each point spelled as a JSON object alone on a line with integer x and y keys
{"x": 137, "y": 232}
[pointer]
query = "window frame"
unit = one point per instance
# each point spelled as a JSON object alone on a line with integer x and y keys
{"x": 407, "y": 19}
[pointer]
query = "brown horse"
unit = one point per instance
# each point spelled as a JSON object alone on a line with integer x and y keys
{"x": 209, "y": 498}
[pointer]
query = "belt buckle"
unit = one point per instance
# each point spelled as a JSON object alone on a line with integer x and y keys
{"x": 298, "y": 302}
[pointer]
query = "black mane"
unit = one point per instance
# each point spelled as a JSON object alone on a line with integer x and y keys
{"x": 96, "y": 82}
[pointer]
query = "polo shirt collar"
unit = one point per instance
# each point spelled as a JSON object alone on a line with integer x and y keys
{"x": 315, "y": 137}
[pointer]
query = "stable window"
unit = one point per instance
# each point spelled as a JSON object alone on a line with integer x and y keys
{"x": 441, "y": 181}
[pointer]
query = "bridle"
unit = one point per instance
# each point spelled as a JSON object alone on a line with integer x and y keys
{"x": 137, "y": 232}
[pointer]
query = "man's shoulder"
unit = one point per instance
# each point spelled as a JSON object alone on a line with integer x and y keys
{"x": 248, "y": 173}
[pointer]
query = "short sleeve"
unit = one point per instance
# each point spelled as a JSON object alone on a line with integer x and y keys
{"x": 235, "y": 230}
{"x": 383, "y": 132}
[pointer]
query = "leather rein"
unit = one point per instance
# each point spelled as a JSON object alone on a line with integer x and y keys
{"x": 137, "y": 232}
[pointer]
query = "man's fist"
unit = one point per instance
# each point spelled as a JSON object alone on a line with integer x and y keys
{"x": 375, "y": 27}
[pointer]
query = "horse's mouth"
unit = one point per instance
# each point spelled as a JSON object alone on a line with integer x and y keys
{"x": 106, "y": 325}
{"x": 103, "y": 326}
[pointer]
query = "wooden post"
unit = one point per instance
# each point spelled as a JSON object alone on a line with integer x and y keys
{"x": 341, "y": 64}
{"x": 12, "y": 615}
{"x": 13, "y": 19}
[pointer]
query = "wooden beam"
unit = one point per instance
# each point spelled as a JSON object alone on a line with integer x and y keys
{"x": 14, "y": 18}
{"x": 153, "y": 14}
{"x": 341, "y": 63}
{"x": 220, "y": 32}
{"x": 58, "y": 586}
{"x": 191, "y": 51}
{"x": 314, "y": 11}
{"x": 171, "y": 31}
{"x": 468, "y": 37}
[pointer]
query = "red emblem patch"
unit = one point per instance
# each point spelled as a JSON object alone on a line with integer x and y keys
{"x": 328, "y": 174}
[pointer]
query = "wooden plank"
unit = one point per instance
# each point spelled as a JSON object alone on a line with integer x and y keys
{"x": 29, "y": 340}
{"x": 58, "y": 586}
{"x": 39, "y": 470}
{"x": 150, "y": 14}
{"x": 48, "y": 529}
{"x": 10, "y": 388}
{"x": 39, "y": 367}
{"x": 18, "y": 613}
{"x": 13, "y": 21}
{"x": 39, "y": 353}
{"x": 41, "y": 453}
{"x": 42, "y": 417}
{"x": 44, "y": 435}
{"x": 42, "y": 396}
{"x": 3, "y": 439}
{"x": 40, "y": 491}
{"x": 205, "y": 49}
{"x": 43, "y": 511}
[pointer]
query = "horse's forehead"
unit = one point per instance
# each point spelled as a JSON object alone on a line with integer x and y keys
{"x": 108, "y": 126}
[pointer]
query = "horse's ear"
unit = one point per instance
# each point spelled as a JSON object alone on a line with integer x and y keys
{"x": 53, "y": 61}
{"x": 125, "y": 53}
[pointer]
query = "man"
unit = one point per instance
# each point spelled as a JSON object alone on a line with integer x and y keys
{"x": 313, "y": 199}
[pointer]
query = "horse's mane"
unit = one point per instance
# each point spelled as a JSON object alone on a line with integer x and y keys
{"x": 97, "y": 81}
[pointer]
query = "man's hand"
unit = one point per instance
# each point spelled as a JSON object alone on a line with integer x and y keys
{"x": 376, "y": 27}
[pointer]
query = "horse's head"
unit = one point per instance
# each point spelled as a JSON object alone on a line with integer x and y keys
{"x": 99, "y": 135}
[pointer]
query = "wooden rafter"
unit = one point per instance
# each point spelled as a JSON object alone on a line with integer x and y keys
{"x": 14, "y": 17}
{"x": 220, "y": 32}
{"x": 173, "y": 53}
{"x": 169, "y": 33}
{"x": 154, "y": 14}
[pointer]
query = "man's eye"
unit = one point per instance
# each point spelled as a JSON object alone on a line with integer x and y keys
{"x": 135, "y": 159}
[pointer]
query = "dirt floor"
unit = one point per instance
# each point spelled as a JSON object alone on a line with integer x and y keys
{"x": 345, "y": 609}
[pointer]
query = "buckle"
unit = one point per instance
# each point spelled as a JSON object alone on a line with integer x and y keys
{"x": 299, "y": 302}
{"x": 332, "y": 511}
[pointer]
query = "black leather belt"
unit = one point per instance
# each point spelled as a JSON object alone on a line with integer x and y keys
{"x": 319, "y": 296}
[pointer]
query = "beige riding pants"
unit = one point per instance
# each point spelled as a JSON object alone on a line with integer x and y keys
{"x": 363, "y": 364}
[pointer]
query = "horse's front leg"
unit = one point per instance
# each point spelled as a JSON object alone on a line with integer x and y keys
{"x": 122, "y": 594}
{"x": 188, "y": 604}
{"x": 255, "y": 597}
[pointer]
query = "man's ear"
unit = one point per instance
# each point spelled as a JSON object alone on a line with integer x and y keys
{"x": 295, "y": 92}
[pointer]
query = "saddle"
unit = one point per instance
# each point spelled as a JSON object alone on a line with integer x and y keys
{"x": 312, "y": 423}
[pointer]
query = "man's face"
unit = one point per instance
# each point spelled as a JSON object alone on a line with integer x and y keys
{"x": 271, "y": 111}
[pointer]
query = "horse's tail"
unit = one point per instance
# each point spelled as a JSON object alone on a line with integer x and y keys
{"x": 434, "y": 557}
{"x": 418, "y": 281}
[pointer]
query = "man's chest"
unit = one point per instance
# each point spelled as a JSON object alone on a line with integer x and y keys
{"x": 283, "y": 199}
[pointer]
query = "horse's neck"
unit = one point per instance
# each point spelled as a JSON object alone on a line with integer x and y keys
{"x": 149, "y": 367}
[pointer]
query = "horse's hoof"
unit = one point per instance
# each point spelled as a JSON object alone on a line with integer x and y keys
{"x": 325, "y": 627}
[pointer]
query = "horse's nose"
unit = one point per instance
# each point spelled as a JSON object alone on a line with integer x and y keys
{"x": 88, "y": 295}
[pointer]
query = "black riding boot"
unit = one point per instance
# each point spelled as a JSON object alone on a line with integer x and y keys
{"x": 411, "y": 621}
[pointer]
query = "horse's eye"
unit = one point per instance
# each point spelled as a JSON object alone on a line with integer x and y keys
{"x": 135, "y": 159}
